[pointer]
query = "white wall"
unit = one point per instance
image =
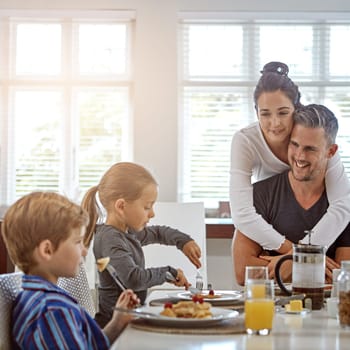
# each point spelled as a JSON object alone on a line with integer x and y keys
{"x": 155, "y": 89}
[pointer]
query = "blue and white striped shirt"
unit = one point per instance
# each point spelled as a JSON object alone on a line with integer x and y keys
{"x": 46, "y": 317}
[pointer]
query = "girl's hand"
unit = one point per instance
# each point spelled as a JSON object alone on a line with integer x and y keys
{"x": 181, "y": 280}
{"x": 193, "y": 252}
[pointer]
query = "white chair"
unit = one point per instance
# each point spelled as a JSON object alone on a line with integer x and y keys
{"x": 78, "y": 287}
{"x": 188, "y": 218}
{"x": 10, "y": 286}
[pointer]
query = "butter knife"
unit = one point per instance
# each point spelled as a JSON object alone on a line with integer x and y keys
{"x": 285, "y": 300}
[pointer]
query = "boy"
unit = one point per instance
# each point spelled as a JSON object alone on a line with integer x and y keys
{"x": 44, "y": 234}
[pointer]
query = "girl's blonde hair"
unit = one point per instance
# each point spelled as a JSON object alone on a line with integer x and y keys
{"x": 123, "y": 180}
{"x": 36, "y": 217}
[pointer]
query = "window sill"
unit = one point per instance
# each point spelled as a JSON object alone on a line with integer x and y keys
{"x": 219, "y": 228}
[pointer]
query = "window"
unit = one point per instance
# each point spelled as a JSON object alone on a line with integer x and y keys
{"x": 64, "y": 100}
{"x": 222, "y": 58}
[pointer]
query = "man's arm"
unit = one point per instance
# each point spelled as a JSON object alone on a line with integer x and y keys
{"x": 245, "y": 252}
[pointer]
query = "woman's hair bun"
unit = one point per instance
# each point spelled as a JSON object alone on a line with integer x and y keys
{"x": 275, "y": 67}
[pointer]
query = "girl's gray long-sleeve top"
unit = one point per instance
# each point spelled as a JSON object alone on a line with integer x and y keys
{"x": 127, "y": 257}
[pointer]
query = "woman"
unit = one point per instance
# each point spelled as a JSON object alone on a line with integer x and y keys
{"x": 260, "y": 151}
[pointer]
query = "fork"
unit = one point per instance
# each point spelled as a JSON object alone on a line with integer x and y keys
{"x": 199, "y": 281}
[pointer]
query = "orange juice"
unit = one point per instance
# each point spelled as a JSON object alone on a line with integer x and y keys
{"x": 259, "y": 313}
{"x": 258, "y": 291}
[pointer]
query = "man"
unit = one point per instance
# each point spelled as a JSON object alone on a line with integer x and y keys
{"x": 295, "y": 200}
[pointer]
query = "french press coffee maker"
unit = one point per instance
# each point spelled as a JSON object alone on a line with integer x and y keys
{"x": 308, "y": 273}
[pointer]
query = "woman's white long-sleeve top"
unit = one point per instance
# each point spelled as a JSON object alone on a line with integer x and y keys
{"x": 251, "y": 161}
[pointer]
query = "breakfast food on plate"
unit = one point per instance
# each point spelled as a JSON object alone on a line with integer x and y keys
{"x": 210, "y": 295}
{"x": 294, "y": 306}
{"x": 187, "y": 309}
{"x": 102, "y": 263}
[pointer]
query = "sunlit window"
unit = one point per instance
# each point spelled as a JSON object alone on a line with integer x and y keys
{"x": 102, "y": 49}
{"x": 292, "y": 44}
{"x": 37, "y": 48}
{"x": 339, "y": 57}
{"x": 37, "y": 139}
{"x": 212, "y": 57}
{"x": 65, "y": 102}
{"x": 221, "y": 66}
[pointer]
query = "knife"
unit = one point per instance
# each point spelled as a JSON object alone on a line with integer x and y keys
{"x": 281, "y": 301}
{"x": 192, "y": 290}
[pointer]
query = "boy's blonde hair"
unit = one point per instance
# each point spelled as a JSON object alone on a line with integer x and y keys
{"x": 122, "y": 180}
{"x": 36, "y": 217}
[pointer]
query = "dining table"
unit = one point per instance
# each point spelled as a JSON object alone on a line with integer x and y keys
{"x": 309, "y": 330}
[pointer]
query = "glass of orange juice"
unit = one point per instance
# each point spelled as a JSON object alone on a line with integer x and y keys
{"x": 259, "y": 306}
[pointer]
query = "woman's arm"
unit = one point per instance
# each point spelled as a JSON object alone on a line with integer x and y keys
{"x": 337, "y": 216}
{"x": 243, "y": 212}
{"x": 245, "y": 252}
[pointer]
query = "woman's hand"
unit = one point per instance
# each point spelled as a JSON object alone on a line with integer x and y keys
{"x": 193, "y": 252}
{"x": 286, "y": 247}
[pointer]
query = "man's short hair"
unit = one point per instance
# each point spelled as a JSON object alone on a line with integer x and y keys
{"x": 318, "y": 116}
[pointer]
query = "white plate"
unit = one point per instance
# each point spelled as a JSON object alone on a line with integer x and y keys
{"x": 223, "y": 295}
{"x": 302, "y": 312}
{"x": 219, "y": 315}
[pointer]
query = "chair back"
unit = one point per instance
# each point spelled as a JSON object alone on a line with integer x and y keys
{"x": 188, "y": 218}
{"x": 78, "y": 287}
{"x": 10, "y": 286}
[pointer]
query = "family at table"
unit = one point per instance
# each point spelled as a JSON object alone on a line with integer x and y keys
{"x": 286, "y": 179}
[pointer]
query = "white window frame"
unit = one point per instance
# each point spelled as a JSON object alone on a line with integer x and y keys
{"x": 68, "y": 177}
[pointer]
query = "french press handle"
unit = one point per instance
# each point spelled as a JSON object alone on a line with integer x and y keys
{"x": 278, "y": 276}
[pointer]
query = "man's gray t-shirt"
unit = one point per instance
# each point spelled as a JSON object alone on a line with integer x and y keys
{"x": 274, "y": 200}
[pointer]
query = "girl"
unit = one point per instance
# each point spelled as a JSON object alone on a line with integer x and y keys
{"x": 260, "y": 150}
{"x": 127, "y": 192}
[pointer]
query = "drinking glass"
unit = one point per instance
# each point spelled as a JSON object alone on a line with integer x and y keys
{"x": 259, "y": 306}
{"x": 256, "y": 273}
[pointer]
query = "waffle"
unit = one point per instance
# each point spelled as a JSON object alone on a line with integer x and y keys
{"x": 208, "y": 296}
{"x": 102, "y": 263}
{"x": 187, "y": 309}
